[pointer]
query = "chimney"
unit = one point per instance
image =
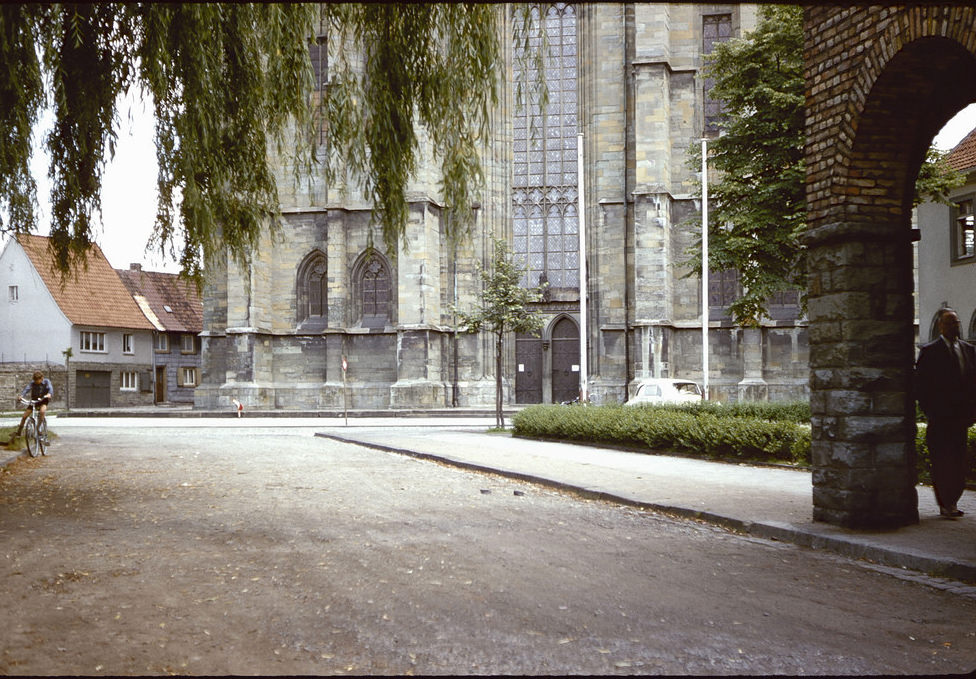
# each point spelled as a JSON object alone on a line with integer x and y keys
{"x": 135, "y": 267}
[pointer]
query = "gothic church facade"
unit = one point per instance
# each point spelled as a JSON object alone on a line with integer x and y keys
{"x": 319, "y": 321}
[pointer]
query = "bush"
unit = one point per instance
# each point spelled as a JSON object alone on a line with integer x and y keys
{"x": 708, "y": 429}
{"x": 680, "y": 428}
{"x": 794, "y": 411}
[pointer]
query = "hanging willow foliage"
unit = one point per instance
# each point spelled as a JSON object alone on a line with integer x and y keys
{"x": 397, "y": 65}
{"x": 227, "y": 80}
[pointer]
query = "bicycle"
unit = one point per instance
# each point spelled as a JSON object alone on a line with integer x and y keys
{"x": 35, "y": 429}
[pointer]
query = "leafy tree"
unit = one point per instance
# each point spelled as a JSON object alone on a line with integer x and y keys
{"x": 757, "y": 208}
{"x": 504, "y": 308}
{"x": 227, "y": 80}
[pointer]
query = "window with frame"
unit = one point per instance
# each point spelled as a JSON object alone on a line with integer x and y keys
{"x": 723, "y": 289}
{"x": 374, "y": 293}
{"x": 312, "y": 291}
{"x": 161, "y": 343}
{"x": 129, "y": 381}
{"x": 319, "y": 56}
{"x": 964, "y": 231}
{"x": 188, "y": 343}
{"x": 127, "y": 346}
{"x": 545, "y": 223}
{"x": 92, "y": 341}
{"x": 187, "y": 376}
{"x": 716, "y": 28}
{"x": 13, "y": 293}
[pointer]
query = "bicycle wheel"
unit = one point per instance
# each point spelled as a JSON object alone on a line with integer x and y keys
{"x": 30, "y": 435}
{"x": 42, "y": 436}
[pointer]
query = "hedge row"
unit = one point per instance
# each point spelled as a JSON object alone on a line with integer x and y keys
{"x": 792, "y": 411}
{"x": 701, "y": 432}
{"x": 710, "y": 431}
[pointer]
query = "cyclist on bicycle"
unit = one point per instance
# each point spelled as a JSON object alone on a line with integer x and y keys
{"x": 39, "y": 388}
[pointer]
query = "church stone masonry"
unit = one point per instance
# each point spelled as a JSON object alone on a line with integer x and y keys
{"x": 275, "y": 335}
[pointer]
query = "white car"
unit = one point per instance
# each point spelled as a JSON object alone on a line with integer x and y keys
{"x": 666, "y": 391}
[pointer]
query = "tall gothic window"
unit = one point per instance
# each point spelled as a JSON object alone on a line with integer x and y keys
{"x": 312, "y": 295}
{"x": 715, "y": 28}
{"x": 544, "y": 182}
{"x": 372, "y": 276}
{"x": 319, "y": 56}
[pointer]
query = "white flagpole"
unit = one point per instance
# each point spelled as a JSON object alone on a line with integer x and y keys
{"x": 584, "y": 396}
{"x": 704, "y": 294}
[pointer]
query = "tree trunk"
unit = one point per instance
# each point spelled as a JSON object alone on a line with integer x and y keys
{"x": 499, "y": 418}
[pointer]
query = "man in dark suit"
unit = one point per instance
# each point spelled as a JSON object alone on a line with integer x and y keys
{"x": 946, "y": 388}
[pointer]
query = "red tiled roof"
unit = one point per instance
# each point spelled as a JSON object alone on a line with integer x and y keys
{"x": 963, "y": 155}
{"x": 162, "y": 291}
{"x": 92, "y": 295}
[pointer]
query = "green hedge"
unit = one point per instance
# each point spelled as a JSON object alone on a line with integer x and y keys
{"x": 759, "y": 432}
{"x": 692, "y": 430}
{"x": 793, "y": 411}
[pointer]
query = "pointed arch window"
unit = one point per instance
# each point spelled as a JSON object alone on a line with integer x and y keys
{"x": 312, "y": 292}
{"x": 544, "y": 179}
{"x": 374, "y": 291}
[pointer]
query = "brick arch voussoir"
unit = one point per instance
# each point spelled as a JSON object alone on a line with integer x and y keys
{"x": 858, "y": 149}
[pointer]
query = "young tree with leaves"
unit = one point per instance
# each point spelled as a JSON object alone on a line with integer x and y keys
{"x": 757, "y": 208}
{"x": 504, "y": 308}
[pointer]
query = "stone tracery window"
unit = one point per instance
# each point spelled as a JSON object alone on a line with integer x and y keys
{"x": 312, "y": 291}
{"x": 715, "y": 28}
{"x": 373, "y": 291}
{"x": 545, "y": 223}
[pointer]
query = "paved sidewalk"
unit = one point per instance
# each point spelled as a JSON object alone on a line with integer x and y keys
{"x": 765, "y": 502}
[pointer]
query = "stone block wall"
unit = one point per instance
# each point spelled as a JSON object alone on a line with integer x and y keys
{"x": 15, "y": 376}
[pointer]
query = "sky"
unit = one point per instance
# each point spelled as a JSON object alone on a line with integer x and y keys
{"x": 129, "y": 185}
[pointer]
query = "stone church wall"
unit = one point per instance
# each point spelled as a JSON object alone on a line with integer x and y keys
{"x": 640, "y": 110}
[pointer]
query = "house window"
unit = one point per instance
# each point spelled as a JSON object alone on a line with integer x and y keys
{"x": 13, "y": 294}
{"x": 545, "y": 224}
{"x": 127, "y": 343}
{"x": 964, "y": 242}
{"x": 129, "y": 381}
{"x": 162, "y": 343}
{"x": 92, "y": 341}
{"x": 188, "y": 344}
{"x": 186, "y": 377}
{"x": 716, "y": 28}
{"x": 312, "y": 291}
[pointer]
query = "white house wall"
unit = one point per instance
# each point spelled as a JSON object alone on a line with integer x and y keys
{"x": 33, "y": 328}
{"x": 940, "y": 282}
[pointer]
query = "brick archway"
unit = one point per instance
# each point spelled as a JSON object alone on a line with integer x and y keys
{"x": 880, "y": 84}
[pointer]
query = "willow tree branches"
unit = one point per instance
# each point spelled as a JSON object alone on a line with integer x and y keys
{"x": 226, "y": 79}
{"x": 400, "y": 66}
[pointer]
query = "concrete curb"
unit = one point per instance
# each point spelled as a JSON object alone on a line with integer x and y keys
{"x": 177, "y": 413}
{"x": 783, "y": 532}
{"x": 9, "y": 460}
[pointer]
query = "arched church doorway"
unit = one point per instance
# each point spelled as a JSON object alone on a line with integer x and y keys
{"x": 565, "y": 360}
{"x": 528, "y": 368}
